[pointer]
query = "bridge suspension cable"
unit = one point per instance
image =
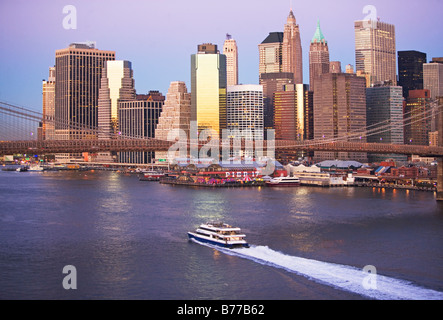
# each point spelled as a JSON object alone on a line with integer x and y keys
{"x": 12, "y": 129}
{"x": 381, "y": 127}
{"x": 9, "y": 130}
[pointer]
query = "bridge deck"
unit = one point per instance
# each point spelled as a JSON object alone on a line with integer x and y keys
{"x": 146, "y": 145}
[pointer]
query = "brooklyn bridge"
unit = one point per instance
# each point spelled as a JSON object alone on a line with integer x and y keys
{"x": 19, "y": 135}
{"x": 146, "y": 145}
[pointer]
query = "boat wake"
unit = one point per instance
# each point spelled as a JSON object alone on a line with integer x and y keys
{"x": 343, "y": 277}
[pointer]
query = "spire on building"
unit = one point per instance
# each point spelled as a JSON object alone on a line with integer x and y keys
{"x": 318, "y": 57}
{"x": 292, "y": 49}
{"x": 318, "y": 35}
{"x": 291, "y": 18}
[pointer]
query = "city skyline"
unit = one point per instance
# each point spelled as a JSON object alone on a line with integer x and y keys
{"x": 160, "y": 44}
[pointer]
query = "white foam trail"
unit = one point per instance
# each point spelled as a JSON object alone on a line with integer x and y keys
{"x": 339, "y": 276}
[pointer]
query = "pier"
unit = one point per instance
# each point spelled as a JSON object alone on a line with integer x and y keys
{"x": 190, "y": 183}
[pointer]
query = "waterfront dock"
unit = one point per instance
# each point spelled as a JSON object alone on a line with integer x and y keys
{"x": 247, "y": 184}
{"x": 395, "y": 186}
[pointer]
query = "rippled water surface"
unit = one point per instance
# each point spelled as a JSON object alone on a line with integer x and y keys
{"x": 127, "y": 240}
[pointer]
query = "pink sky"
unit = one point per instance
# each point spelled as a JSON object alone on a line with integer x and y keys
{"x": 159, "y": 36}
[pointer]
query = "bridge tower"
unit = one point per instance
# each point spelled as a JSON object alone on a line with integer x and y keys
{"x": 440, "y": 159}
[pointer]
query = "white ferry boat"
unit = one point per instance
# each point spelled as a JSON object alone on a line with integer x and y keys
{"x": 35, "y": 167}
{"x": 283, "y": 182}
{"x": 220, "y": 234}
{"x": 152, "y": 176}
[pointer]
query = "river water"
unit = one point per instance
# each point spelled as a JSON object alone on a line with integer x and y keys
{"x": 127, "y": 239}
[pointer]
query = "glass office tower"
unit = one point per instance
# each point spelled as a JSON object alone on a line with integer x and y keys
{"x": 208, "y": 88}
{"x": 293, "y": 117}
{"x": 410, "y": 70}
{"x": 117, "y": 84}
{"x": 418, "y": 117}
{"x": 384, "y": 115}
{"x": 289, "y": 114}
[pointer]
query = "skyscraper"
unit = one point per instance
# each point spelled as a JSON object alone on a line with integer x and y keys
{"x": 309, "y": 115}
{"x": 138, "y": 119}
{"x": 231, "y": 52}
{"x": 271, "y": 76}
{"x": 335, "y": 67}
{"x": 270, "y": 53}
{"x": 117, "y": 84}
{"x": 271, "y": 83}
{"x": 433, "y": 78}
{"x": 292, "y": 58}
{"x": 384, "y": 116}
{"x": 375, "y": 52}
{"x": 175, "y": 116}
{"x": 292, "y": 117}
{"x": 48, "y": 101}
{"x": 244, "y": 106}
{"x": 289, "y": 112}
{"x": 349, "y": 68}
{"x": 280, "y": 63}
{"x": 418, "y": 117}
{"x": 340, "y": 113}
{"x": 318, "y": 56}
{"x": 78, "y": 76}
{"x": 208, "y": 88}
{"x": 410, "y": 70}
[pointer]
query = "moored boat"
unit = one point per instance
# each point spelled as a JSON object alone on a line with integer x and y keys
{"x": 220, "y": 234}
{"x": 152, "y": 176}
{"x": 35, "y": 167}
{"x": 283, "y": 182}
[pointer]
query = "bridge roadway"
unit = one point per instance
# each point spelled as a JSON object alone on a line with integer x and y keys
{"x": 146, "y": 145}
{"x": 122, "y": 145}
